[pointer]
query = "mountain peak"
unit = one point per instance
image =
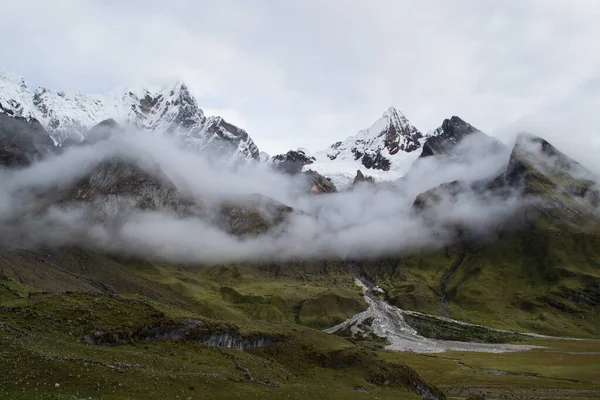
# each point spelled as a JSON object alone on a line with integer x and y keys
{"x": 389, "y": 144}
{"x": 542, "y": 155}
{"x": 392, "y": 112}
{"x": 7, "y": 77}
{"x": 168, "y": 107}
{"x": 448, "y": 135}
{"x": 390, "y": 134}
{"x": 564, "y": 189}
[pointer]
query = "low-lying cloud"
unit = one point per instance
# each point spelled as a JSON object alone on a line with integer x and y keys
{"x": 367, "y": 221}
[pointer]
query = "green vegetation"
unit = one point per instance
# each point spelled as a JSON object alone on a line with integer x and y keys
{"x": 50, "y": 300}
{"x": 44, "y": 355}
{"x": 562, "y": 369}
{"x": 531, "y": 280}
{"x": 539, "y": 273}
{"x": 76, "y": 323}
{"x": 431, "y": 327}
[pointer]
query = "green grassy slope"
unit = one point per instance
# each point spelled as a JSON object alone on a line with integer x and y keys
{"x": 530, "y": 280}
{"x": 44, "y": 355}
{"x": 540, "y": 273}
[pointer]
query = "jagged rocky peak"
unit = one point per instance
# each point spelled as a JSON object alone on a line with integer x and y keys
{"x": 445, "y": 139}
{"x": 13, "y": 94}
{"x": 545, "y": 157}
{"x": 447, "y": 136}
{"x": 223, "y": 138}
{"x": 318, "y": 184}
{"x": 400, "y": 134}
{"x": 543, "y": 171}
{"x": 168, "y": 109}
{"x": 293, "y": 161}
{"x": 374, "y": 147}
{"x": 360, "y": 177}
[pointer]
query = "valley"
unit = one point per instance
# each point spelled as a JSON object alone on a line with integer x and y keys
{"x": 161, "y": 255}
{"x": 45, "y": 330}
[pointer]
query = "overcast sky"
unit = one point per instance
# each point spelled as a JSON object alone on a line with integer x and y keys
{"x": 308, "y": 73}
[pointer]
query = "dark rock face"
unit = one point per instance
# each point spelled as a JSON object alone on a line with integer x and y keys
{"x": 187, "y": 109}
{"x": 251, "y": 215}
{"x": 102, "y": 131}
{"x": 117, "y": 187}
{"x": 318, "y": 184}
{"x": 401, "y": 136}
{"x": 22, "y": 141}
{"x": 225, "y": 139}
{"x": 292, "y": 162}
{"x": 360, "y": 177}
{"x": 187, "y": 330}
{"x": 376, "y": 161}
{"x": 121, "y": 180}
{"x": 453, "y": 131}
{"x": 540, "y": 171}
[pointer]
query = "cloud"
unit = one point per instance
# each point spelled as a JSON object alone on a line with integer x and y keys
{"x": 366, "y": 222}
{"x": 571, "y": 123}
{"x": 286, "y": 66}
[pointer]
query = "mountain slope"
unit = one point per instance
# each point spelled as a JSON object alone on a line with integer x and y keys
{"x": 22, "y": 141}
{"x": 451, "y": 133}
{"x": 169, "y": 109}
{"x": 539, "y": 271}
{"x": 223, "y": 330}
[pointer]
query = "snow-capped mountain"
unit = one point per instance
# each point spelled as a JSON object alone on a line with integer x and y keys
{"x": 170, "y": 109}
{"x": 387, "y": 150}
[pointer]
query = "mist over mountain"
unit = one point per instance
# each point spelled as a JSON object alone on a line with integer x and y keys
{"x": 131, "y": 191}
{"x": 457, "y": 240}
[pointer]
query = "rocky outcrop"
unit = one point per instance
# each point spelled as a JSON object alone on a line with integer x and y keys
{"x": 318, "y": 184}
{"x": 234, "y": 340}
{"x": 120, "y": 182}
{"x": 222, "y": 138}
{"x": 292, "y": 162}
{"x": 452, "y": 132}
{"x": 184, "y": 330}
{"x": 360, "y": 177}
{"x": 22, "y": 141}
{"x": 251, "y": 215}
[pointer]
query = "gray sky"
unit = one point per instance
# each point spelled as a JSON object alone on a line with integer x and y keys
{"x": 308, "y": 73}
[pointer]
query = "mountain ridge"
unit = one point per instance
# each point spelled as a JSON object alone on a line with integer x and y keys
{"x": 169, "y": 109}
{"x": 386, "y": 150}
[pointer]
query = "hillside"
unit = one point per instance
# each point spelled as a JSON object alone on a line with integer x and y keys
{"x": 538, "y": 273}
{"x": 136, "y": 268}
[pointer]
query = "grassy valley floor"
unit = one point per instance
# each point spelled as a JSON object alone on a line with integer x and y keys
{"x": 563, "y": 369}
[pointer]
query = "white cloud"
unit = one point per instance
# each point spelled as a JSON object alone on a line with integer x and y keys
{"x": 313, "y": 72}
